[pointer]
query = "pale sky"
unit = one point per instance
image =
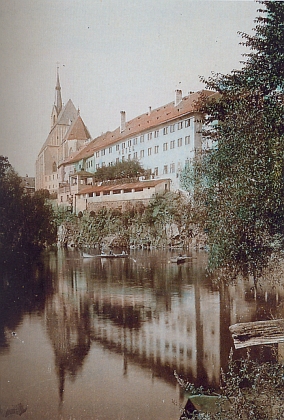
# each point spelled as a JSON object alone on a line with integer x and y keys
{"x": 113, "y": 55}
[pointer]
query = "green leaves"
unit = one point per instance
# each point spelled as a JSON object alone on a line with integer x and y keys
{"x": 125, "y": 169}
{"x": 26, "y": 222}
{"x": 243, "y": 195}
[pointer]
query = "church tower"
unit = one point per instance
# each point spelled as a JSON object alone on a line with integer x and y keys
{"x": 57, "y": 107}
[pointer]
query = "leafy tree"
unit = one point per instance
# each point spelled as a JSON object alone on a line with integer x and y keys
{"x": 26, "y": 222}
{"x": 125, "y": 169}
{"x": 244, "y": 193}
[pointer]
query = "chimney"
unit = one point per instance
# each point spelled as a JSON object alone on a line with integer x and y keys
{"x": 149, "y": 111}
{"x": 178, "y": 96}
{"x": 122, "y": 121}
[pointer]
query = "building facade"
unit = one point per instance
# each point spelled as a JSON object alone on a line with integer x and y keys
{"x": 164, "y": 140}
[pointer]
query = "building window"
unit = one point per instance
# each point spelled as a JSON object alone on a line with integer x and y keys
{"x": 187, "y": 123}
{"x": 110, "y": 150}
{"x": 165, "y": 147}
{"x": 165, "y": 171}
{"x": 135, "y": 141}
{"x": 135, "y": 155}
{"x": 156, "y": 134}
{"x": 141, "y": 153}
{"x": 103, "y": 164}
{"x": 172, "y": 144}
{"x": 103, "y": 152}
{"x": 149, "y": 151}
{"x": 117, "y": 147}
{"x": 117, "y": 160}
{"x": 165, "y": 130}
{"x": 123, "y": 145}
{"x": 142, "y": 138}
{"x": 172, "y": 168}
{"x": 129, "y": 157}
{"x": 180, "y": 125}
{"x": 123, "y": 158}
{"x": 172, "y": 128}
{"x": 54, "y": 167}
{"x": 156, "y": 149}
{"x": 129, "y": 143}
{"x": 149, "y": 136}
{"x": 156, "y": 171}
{"x": 180, "y": 142}
{"x": 187, "y": 139}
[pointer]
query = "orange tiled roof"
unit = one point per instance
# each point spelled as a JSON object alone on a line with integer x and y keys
{"x": 78, "y": 130}
{"x": 143, "y": 122}
{"x": 138, "y": 184}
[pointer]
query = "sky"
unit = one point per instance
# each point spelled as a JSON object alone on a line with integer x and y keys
{"x": 112, "y": 55}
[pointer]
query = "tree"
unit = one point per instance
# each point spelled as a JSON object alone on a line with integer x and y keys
{"x": 26, "y": 222}
{"x": 244, "y": 171}
{"x": 125, "y": 169}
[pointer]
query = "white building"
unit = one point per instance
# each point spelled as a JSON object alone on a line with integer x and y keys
{"x": 164, "y": 140}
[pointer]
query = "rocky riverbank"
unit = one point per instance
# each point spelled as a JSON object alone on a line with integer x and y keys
{"x": 167, "y": 222}
{"x": 83, "y": 233}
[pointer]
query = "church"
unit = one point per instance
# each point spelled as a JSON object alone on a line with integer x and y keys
{"x": 67, "y": 135}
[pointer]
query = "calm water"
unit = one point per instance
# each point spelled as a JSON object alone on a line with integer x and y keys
{"x": 100, "y": 339}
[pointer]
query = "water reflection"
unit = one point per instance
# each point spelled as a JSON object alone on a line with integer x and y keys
{"x": 158, "y": 317}
{"x": 161, "y": 316}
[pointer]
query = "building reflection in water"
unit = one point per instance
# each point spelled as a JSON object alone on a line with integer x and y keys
{"x": 158, "y": 315}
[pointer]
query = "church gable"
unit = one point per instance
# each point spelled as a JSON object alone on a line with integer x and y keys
{"x": 68, "y": 114}
{"x": 78, "y": 131}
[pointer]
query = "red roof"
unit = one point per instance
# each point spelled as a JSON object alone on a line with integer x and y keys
{"x": 131, "y": 185}
{"x": 142, "y": 123}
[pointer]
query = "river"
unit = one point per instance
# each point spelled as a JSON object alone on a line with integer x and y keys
{"x": 89, "y": 338}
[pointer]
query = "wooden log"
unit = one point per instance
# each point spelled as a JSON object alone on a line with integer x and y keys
{"x": 259, "y": 332}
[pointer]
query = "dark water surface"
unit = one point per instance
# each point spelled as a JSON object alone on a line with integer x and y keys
{"x": 100, "y": 339}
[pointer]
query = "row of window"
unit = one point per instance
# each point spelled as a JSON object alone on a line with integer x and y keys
{"x": 167, "y": 169}
{"x": 132, "y": 142}
{"x": 173, "y": 144}
{"x": 51, "y": 177}
{"x": 179, "y": 126}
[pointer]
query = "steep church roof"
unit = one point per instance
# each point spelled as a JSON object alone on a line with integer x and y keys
{"x": 66, "y": 117}
{"x": 78, "y": 130}
{"x": 68, "y": 114}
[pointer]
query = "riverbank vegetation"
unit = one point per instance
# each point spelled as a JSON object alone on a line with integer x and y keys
{"x": 27, "y": 222}
{"x": 166, "y": 222}
{"x": 239, "y": 182}
{"x": 238, "y": 185}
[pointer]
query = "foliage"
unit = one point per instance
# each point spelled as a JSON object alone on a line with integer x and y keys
{"x": 26, "y": 221}
{"x": 124, "y": 169}
{"x": 166, "y": 208}
{"x": 248, "y": 385}
{"x": 144, "y": 225}
{"x": 243, "y": 195}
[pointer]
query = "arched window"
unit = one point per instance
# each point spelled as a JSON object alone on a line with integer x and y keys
{"x": 54, "y": 167}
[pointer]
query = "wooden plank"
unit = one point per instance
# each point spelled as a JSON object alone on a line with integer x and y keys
{"x": 247, "y": 334}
